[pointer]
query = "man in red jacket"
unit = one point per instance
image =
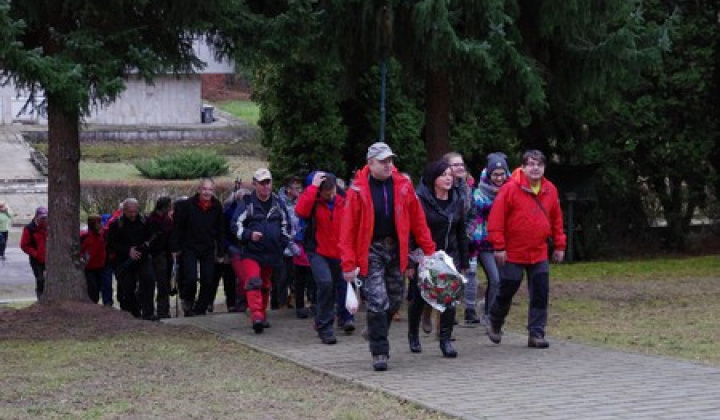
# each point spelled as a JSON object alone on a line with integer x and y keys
{"x": 34, "y": 243}
{"x": 381, "y": 211}
{"x": 525, "y": 214}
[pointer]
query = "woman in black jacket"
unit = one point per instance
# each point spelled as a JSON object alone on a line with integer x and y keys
{"x": 445, "y": 216}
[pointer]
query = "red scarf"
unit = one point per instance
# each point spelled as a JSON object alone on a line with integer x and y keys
{"x": 204, "y": 204}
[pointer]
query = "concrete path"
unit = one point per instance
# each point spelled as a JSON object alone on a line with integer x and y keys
{"x": 22, "y": 187}
{"x": 17, "y": 283}
{"x": 569, "y": 381}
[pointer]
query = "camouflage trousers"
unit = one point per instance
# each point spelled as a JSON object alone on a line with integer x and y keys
{"x": 383, "y": 290}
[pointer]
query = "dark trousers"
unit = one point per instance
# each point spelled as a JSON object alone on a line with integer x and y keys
{"x": 161, "y": 271}
{"x": 38, "y": 270}
{"x": 383, "y": 290}
{"x": 415, "y": 309}
{"x": 538, "y": 290}
{"x": 189, "y": 266}
{"x": 327, "y": 274}
{"x": 225, "y": 272}
{"x": 136, "y": 286}
{"x": 94, "y": 280}
{"x": 3, "y": 242}
{"x": 282, "y": 278}
{"x": 107, "y": 285}
{"x": 304, "y": 286}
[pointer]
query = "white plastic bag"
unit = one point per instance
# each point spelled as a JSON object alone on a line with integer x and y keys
{"x": 351, "y": 300}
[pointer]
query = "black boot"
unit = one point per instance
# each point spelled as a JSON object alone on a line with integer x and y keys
{"x": 446, "y": 327}
{"x": 414, "y": 341}
{"x": 414, "y": 312}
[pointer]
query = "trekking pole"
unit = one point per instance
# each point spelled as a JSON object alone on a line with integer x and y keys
{"x": 174, "y": 285}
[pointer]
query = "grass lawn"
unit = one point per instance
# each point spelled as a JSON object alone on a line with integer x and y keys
{"x": 662, "y": 306}
{"x": 245, "y": 110}
{"x": 86, "y": 362}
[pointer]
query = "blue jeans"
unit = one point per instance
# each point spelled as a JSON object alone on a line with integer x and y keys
{"x": 327, "y": 274}
{"x": 538, "y": 289}
{"x": 487, "y": 259}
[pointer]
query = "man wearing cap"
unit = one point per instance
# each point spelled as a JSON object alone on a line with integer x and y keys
{"x": 196, "y": 237}
{"x": 262, "y": 228}
{"x": 34, "y": 243}
{"x": 381, "y": 212}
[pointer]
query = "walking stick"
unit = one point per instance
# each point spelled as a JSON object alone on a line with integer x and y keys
{"x": 174, "y": 285}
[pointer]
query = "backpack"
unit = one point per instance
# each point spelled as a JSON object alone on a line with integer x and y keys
{"x": 307, "y": 231}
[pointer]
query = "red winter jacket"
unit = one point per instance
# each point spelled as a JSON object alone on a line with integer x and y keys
{"x": 359, "y": 220}
{"x": 327, "y": 222}
{"x": 34, "y": 242}
{"x": 518, "y": 225}
{"x": 94, "y": 245}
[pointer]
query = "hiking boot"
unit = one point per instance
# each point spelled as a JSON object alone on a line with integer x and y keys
{"x": 471, "y": 318}
{"x": 349, "y": 327}
{"x": 494, "y": 334}
{"x": 328, "y": 339}
{"x": 538, "y": 342}
{"x": 447, "y": 348}
{"x": 150, "y": 318}
{"x": 164, "y": 316}
{"x": 211, "y": 308}
{"x": 380, "y": 362}
{"x": 302, "y": 313}
{"x": 414, "y": 341}
{"x": 258, "y": 326}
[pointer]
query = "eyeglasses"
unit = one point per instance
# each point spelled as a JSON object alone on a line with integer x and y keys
{"x": 500, "y": 175}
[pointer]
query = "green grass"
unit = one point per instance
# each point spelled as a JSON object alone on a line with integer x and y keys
{"x": 634, "y": 270}
{"x": 100, "y": 171}
{"x": 245, "y": 110}
{"x": 667, "y": 306}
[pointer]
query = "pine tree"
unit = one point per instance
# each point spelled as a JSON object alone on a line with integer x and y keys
{"x": 78, "y": 53}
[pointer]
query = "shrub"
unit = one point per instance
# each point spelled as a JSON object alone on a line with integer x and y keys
{"x": 184, "y": 165}
{"x": 103, "y": 197}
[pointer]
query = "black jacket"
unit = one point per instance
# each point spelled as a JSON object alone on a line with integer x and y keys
{"x": 275, "y": 226}
{"x": 124, "y": 234}
{"x": 447, "y": 226}
{"x": 195, "y": 230}
{"x": 160, "y": 227}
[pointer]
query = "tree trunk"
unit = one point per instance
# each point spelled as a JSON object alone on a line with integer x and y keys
{"x": 437, "y": 114}
{"x": 65, "y": 277}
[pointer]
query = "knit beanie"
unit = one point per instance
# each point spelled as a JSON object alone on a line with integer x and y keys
{"x": 496, "y": 160}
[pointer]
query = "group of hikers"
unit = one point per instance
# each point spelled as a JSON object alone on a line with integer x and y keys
{"x": 315, "y": 238}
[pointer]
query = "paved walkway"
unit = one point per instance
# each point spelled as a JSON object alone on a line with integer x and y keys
{"x": 22, "y": 187}
{"x": 569, "y": 381}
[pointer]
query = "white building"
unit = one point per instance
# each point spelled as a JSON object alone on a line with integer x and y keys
{"x": 169, "y": 100}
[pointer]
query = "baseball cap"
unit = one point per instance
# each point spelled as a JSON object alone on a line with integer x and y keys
{"x": 262, "y": 174}
{"x": 379, "y": 151}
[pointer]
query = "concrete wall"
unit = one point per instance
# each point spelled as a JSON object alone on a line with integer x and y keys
{"x": 170, "y": 100}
